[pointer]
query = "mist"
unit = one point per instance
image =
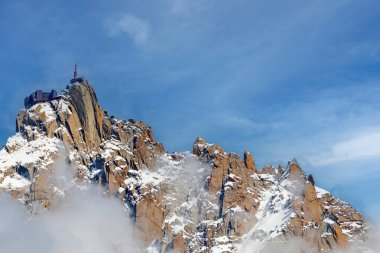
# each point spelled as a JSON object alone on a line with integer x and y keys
{"x": 84, "y": 219}
{"x": 81, "y": 219}
{"x": 85, "y": 222}
{"x": 371, "y": 245}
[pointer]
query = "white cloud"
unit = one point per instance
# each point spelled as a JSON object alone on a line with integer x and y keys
{"x": 85, "y": 222}
{"x": 365, "y": 145}
{"x": 134, "y": 27}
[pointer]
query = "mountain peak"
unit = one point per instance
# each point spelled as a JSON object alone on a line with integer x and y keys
{"x": 204, "y": 201}
{"x": 95, "y": 123}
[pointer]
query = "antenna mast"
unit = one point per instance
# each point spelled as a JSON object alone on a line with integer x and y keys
{"x": 75, "y": 72}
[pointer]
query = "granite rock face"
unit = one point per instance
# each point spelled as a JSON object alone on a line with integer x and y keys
{"x": 201, "y": 201}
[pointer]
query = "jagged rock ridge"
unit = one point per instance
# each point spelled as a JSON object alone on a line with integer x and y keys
{"x": 223, "y": 203}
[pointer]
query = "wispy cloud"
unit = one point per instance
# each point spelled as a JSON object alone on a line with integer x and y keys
{"x": 86, "y": 223}
{"x": 80, "y": 220}
{"x": 136, "y": 28}
{"x": 362, "y": 146}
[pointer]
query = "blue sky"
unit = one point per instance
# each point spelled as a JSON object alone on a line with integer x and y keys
{"x": 282, "y": 79}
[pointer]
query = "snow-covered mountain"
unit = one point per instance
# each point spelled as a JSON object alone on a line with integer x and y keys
{"x": 206, "y": 200}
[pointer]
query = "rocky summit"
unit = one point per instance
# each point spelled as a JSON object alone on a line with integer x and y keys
{"x": 204, "y": 200}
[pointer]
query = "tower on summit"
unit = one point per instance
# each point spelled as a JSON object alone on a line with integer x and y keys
{"x": 76, "y": 79}
{"x": 75, "y": 72}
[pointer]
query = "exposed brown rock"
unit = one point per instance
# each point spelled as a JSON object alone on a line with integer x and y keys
{"x": 268, "y": 169}
{"x": 90, "y": 114}
{"x": 280, "y": 170}
{"x": 149, "y": 218}
{"x": 311, "y": 205}
{"x": 339, "y": 237}
{"x": 249, "y": 162}
{"x": 119, "y": 150}
{"x": 218, "y": 173}
{"x": 199, "y": 146}
{"x": 230, "y": 180}
{"x": 179, "y": 244}
{"x": 295, "y": 172}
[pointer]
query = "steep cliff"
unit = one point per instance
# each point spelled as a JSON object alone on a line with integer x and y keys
{"x": 204, "y": 201}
